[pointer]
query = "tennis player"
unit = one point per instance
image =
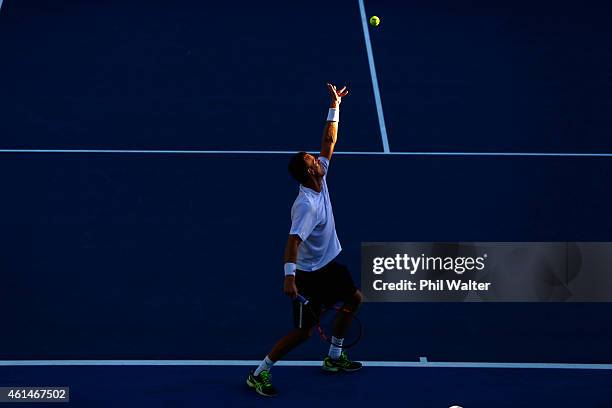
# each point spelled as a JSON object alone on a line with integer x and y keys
{"x": 310, "y": 266}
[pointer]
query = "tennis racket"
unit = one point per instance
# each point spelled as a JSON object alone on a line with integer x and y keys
{"x": 326, "y": 321}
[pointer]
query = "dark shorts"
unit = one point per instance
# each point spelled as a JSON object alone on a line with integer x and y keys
{"x": 324, "y": 287}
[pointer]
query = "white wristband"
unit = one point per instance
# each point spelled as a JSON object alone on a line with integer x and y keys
{"x": 333, "y": 115}
{"x": 290, "y": 269}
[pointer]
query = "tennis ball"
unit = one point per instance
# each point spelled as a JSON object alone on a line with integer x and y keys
{"x": 374, "y": 21}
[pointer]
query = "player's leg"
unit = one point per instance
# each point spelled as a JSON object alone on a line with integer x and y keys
{"x": 260, "y": 379}
{"x": 294, "y": 338}
{"x": 346, "y": 313}
{"x": 344, "y": 287}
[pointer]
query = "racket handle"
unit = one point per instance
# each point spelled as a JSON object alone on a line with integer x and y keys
{"x": 302, "y": 299}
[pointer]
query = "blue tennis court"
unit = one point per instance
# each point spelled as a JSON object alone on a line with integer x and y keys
{"x": 144, "y": 149}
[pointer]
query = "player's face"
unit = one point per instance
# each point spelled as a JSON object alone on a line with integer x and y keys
{"x": 314, "y": 166}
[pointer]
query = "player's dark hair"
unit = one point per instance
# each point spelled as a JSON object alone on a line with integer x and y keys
{"x": 298, "y": 167}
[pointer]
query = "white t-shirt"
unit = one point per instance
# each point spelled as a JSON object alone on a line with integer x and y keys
{"x": 312, "y": 219}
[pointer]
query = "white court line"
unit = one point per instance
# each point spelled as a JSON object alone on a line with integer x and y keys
{"x": 288, "y": 152}
{"x": 379, "y": 109}
{"x": 301, "y": 363}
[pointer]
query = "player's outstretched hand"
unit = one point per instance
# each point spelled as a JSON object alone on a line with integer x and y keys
{"x": 336, "y": 95}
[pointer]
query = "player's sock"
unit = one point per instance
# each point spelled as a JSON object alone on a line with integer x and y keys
{"x": 335, "y": 349}
{"x": 266, "y": 365}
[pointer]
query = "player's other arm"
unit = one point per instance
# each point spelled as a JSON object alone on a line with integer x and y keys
{"x": 291, "y": 251}
{"x": 330, "y": 132}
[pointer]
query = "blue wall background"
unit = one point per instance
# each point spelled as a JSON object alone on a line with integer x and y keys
{"x": 174, "y": 256}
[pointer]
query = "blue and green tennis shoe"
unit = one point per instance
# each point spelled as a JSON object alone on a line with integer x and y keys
{"x": 262, "y": 383}
{"x": 343, "y": 363}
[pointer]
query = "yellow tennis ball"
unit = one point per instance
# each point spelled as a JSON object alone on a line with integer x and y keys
{"x": 374, "y": 21}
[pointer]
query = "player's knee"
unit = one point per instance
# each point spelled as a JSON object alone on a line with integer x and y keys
{"x": 353, "y": 303}
{"x": 357, "y": 298}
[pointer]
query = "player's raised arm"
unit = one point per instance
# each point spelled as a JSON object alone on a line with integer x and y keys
{"x": 330, "y": 132}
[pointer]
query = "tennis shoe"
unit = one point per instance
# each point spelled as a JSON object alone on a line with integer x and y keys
{"x": 262, "y": 383}
{"x": 343, "y": 363}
